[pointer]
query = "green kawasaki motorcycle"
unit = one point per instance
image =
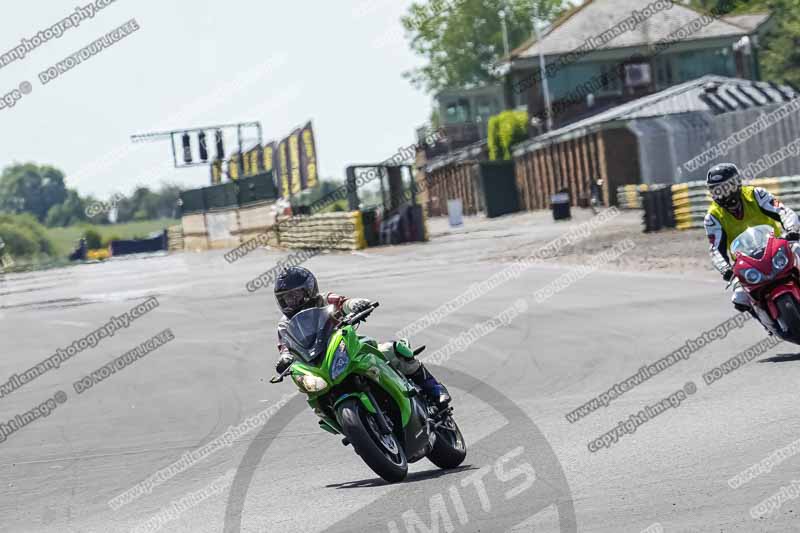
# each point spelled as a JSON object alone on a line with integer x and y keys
{"x": 356, "y": 393}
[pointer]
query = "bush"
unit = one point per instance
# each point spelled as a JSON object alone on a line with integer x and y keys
{"x": 505, "y": 130}
{"x": 24, "y": 236}
{"x": 493, "y": 139}
{"x": 93, "y": 239}
{"x": 19, "y": 241}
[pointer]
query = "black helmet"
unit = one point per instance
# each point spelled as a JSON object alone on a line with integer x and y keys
{"x": 725, "y": 184}
{"x": 296, "y": 289}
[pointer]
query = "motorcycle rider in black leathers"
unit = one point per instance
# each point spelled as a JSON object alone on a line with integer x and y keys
{"x": 296, "y": 289}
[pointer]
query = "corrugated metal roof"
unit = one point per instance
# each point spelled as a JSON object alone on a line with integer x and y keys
{"x": 731, "y": 94}
{"x": 596, "y": 16}
{"x": 467, "y": 153}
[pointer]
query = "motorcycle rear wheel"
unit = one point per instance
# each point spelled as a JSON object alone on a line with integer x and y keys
{"x": 382, "y": 453}
{"x": 450, "y": 448}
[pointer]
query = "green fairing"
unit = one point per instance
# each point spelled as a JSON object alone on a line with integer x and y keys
{"x": 363, "y": 398}
{"x": 366, "y": 357}
{"x": 326, "y": 424}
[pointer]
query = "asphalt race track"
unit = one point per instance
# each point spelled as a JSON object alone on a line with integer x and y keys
{"x": 528, "y": 468}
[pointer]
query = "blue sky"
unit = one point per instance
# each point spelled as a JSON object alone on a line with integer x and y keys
{"x": 195, "y": 63}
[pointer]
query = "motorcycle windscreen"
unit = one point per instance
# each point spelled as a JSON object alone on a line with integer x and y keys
{"x": 308, "y": 333}
{"x": 752, "y": 241}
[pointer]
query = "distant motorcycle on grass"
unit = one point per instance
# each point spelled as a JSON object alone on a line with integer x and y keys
{"x": 358, "y": 394}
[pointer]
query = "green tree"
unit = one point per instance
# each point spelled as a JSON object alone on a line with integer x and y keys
{"x": 780, "y": 58}
{"x": 29, "y": 188}
{"x": 144, "y": 204}
{"x": 167, "y": 205}
{"x": 462, "y": 39}
{"x": 780, "y": 53}
{"x": 71, "y": 211}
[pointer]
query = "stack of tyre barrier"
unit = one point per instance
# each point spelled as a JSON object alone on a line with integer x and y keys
{"x": 690, "y": 203}
{"x": 329, "y": 231}
{"x": 175, "y": 238}
{"x": 195, "y": 234}
{"x": 629, "y": 196}
{"x": 658, "y": 210}
{"x": 257, "y": 222}
{"x": 691, "y": 200}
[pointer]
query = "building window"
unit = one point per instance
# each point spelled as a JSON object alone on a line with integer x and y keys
{"x": 457, "y": 112}
{"x": 486, "y": 108}
{"x": 611, "y": 79}
{"x": 696, "y": 64}
{"x": 664, "y": 77}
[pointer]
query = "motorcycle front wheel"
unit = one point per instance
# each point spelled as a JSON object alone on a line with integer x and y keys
{"x": 789, "y": 316}
{"x": 382, "y": 453}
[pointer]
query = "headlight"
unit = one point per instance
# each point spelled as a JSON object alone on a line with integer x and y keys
{"x": 310, "y": 383}
{"x": 780, "y": 260}
{"x": 753, "y": 276}
{"x": 340, "y": 361}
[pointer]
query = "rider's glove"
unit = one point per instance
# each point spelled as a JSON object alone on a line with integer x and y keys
{"x": 792, "y": 236}
{"x": 284, "y": 363}
{"x": 358, "y": 305}
{"x": 728, "y": 274}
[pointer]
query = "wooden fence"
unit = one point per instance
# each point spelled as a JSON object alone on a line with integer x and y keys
{"x": 570, "y": 164}
{"x": 457, "y": 180}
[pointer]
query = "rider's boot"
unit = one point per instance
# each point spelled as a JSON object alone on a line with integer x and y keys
{"x": 421, "y": 376}
{"x": 747, "y": 308}
{"x": 434, "y": 391}
{"x": 742, "y": 302}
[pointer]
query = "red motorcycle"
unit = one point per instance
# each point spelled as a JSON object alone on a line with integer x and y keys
{"x": 767, "y": 268}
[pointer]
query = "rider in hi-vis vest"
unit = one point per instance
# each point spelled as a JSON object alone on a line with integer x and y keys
{"x": 734, "y": 209}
